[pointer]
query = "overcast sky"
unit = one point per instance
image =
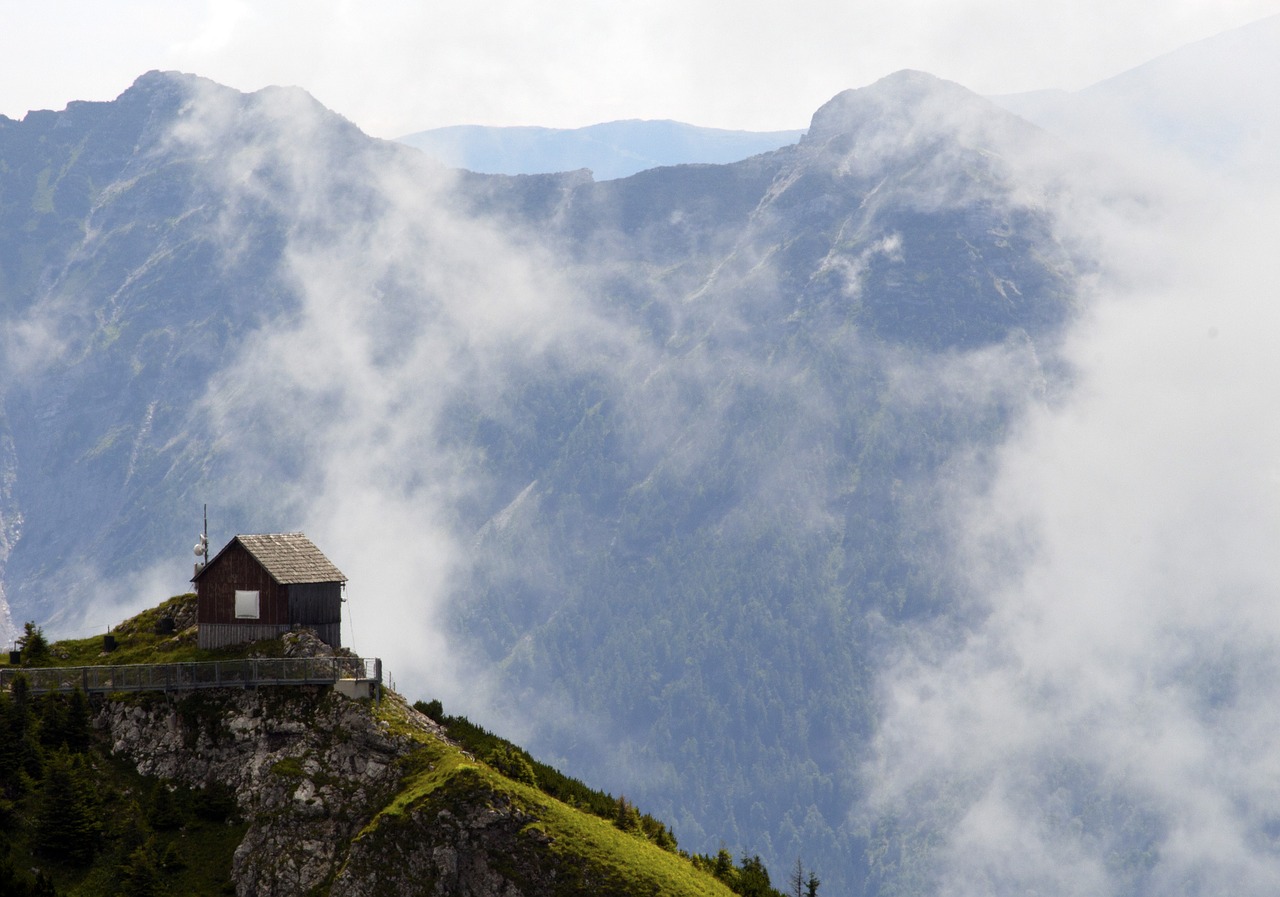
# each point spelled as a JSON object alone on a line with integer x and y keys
{"x": 396, "y": 67}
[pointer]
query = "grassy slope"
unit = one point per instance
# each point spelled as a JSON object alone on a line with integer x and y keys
{"x": 442, "y": 776}
{"x": 138, "y": 642}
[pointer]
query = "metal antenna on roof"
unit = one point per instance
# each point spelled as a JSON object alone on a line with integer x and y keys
{"x": 202, "y": 544}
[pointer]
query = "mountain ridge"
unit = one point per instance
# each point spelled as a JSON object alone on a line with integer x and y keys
{"x": 727, "y": 393}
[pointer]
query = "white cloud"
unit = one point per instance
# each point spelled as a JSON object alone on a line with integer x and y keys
{"x": 218, "y": 31}
{"x": 404, "y": 302}
{"x": 1119, "y": 682}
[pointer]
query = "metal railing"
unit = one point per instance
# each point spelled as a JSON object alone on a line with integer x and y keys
{"x": 249, "y": 673}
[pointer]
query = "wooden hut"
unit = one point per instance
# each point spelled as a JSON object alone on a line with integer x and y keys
{"x": 262, "y": 586}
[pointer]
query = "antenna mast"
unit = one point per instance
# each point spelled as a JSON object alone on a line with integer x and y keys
{"x": 202, "y": 544}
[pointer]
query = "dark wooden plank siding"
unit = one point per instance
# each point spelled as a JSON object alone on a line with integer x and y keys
{"x": 329, "y": 633}
{"x": 220, "y": 635}
{"x": 315, "y": 603}
{"x": 235, "y": 569}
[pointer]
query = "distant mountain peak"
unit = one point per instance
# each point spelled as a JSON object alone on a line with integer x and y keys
{"x": 907, "y": 96}
{"x": 162, "y": 86}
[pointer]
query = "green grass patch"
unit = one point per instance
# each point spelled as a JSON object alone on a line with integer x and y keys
{"x": 140, "y": 640}
{"x": 288, "y": 767}
{"x": 591, "y": 853}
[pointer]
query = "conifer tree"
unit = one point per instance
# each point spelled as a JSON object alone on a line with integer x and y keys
{"x": 139, "y": 876}
{"x": 800, "y": 886}
{"x": 19, "y": 752}
{"x": 33, "y": 645}
{"x": 65, "y": 827}
{"x": 723, "y": 865}
{"x": 9, "y": 759}
{"x": 627, "y": 816}
{"x": 65, "y": 721}
{"x": 15, "y": 883}
{"x": 753, "y": 878}
{"x": 164, "y": 813}
{"x": 79, "y": 720}
{"x": 53, "y": 721}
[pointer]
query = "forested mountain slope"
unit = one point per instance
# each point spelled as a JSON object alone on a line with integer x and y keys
{"x": 666, "y": 462}
{"x": 716, "y": 546}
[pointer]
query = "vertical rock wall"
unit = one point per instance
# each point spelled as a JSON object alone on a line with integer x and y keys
{"x": 309, "y": 768}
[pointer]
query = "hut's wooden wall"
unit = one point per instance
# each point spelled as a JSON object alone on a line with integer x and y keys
{"x": 220, "y": 635}
{"x": 235, "y": 569}
{"x": 314, "y": 603}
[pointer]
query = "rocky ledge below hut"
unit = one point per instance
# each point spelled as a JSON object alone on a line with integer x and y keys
{"x": 364, "y": 798}
{"x": 308, "y": 768}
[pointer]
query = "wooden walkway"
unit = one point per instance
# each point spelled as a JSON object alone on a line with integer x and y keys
{"x": 204, "y": 674}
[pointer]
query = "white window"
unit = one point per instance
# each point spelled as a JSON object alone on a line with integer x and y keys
{"x": 246, "y": 605}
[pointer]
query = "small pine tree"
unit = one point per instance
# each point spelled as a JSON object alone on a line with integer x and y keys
{"x": 723, "y": 868}
{"x": 139, "y": 876}
{"x": 170, "y": 860}
{"x": 21, "y": 713}
{"x": 432, "y": 709}
{"x": 53, "y": 721}
{"x": 656, "y": 832}
{"x": 33, "y": 645}
{"x": 753, "y": 878}
{"x": 65, "y": 721}
{"x": 79, "y": 720}
{"x": 130, "y": 827}
{"x": 10, "y": 756}
{"x": 163, "y": 814}
{"x": 627, "y": 816}
{"x": 19, "y": 751}
{"x": 800, "y": 886}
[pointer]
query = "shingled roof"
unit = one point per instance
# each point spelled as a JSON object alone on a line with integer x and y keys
{"x": 289, "y": 558}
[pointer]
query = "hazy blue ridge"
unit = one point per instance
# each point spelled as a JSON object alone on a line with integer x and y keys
{"x": 610, "y": 150}
{"x": 661, "y": 468}
{"x": 695, "y": 526}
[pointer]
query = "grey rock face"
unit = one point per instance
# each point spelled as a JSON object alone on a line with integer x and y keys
{"x": 308, "y": 771}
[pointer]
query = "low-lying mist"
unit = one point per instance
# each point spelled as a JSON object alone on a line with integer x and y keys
{"x": 1104, "y": 724}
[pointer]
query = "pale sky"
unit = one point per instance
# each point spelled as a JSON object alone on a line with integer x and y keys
{"x": 397, "y": 67}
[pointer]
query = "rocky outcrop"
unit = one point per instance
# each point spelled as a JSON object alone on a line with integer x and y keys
{"x": 308, "y": 768}
{"x": 477, "y": 849}
{"x": 345, "y": 798}
{"x": 360, "y": 798}
{"x": 314, "y": 774}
